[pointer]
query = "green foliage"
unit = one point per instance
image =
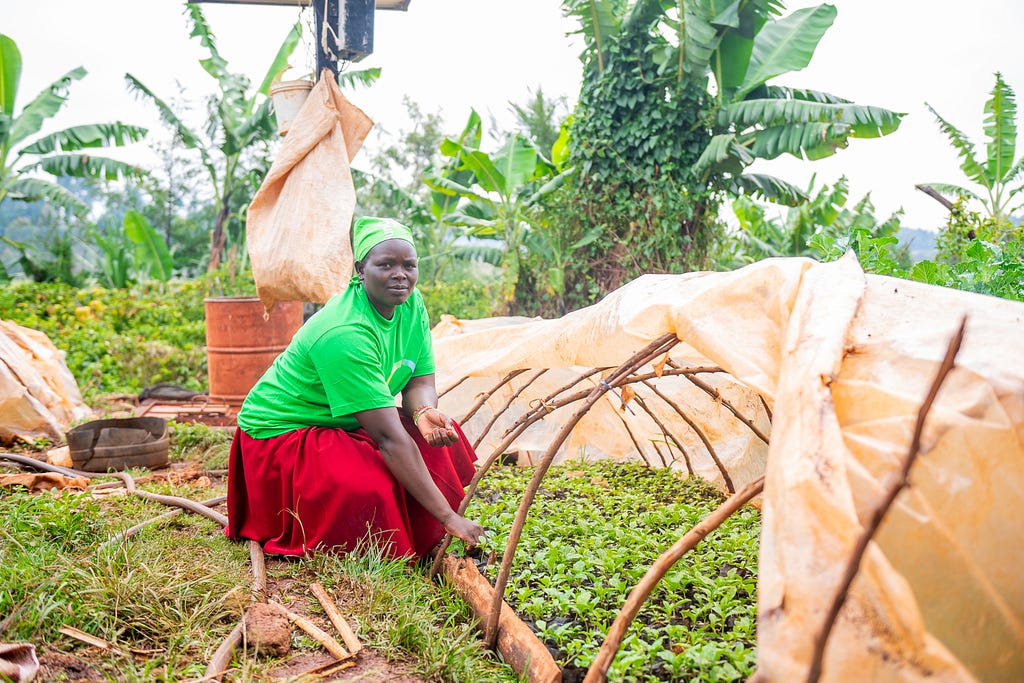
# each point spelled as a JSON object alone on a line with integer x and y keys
{"x": 655, "y": 147}
{"x": 46, "y": 246}
{"x": 55, "y": 574}
{"x": 977, "y": 254}
{"x": 580, "y": 555}
{"x": 822, "y": 227}
{"x": 56, "y": 154}
{"x": 973, "y": 253}
{"x": 177, "y": 588}
{"x": 198, "y": 442}
{"x": 132, "y": 251}
{"x": 491, "y": 194}
{"x": 118, "y": 340}
{"x": 464, "y": 299}
{"x": 234, "y": 150}
{"x": 997, "y": 174}
{"x": 745, "y": 45}
{"x": 538, "y": 119}
{"x": 635, "y": 135}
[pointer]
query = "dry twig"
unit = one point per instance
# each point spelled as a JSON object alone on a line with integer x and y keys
{"x": 316, "y": 633}
{"x": 349, "y": 636}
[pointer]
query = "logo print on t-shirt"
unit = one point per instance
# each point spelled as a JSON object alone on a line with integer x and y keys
{"x": 400, "y": 375}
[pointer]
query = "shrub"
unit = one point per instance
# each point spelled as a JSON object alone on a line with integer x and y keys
{"x": 118, "y": 340}
{"x": 464, "y": 299}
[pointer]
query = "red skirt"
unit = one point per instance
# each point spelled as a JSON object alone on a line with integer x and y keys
{"x": 319, "y": 488}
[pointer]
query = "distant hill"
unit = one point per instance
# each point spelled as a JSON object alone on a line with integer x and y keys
{"x": 920, "y": 243}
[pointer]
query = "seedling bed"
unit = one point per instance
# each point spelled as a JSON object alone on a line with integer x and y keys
{"x": 592, "y": 532}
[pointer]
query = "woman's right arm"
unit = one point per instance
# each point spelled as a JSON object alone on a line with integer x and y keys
{"x": 403, "y": 459}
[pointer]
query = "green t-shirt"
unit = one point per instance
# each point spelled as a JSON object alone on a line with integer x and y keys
{"x": 345, "y": 359}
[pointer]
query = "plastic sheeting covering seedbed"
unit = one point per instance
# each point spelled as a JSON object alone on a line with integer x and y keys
{"x": 844, "y": 361}
{"x": 39, "y": 397}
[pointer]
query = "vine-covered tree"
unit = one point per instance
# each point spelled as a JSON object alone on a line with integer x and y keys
{"x": 656, "y": 144}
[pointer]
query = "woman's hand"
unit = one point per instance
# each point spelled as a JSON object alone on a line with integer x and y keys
{"x": 460, "y": 527}
{"x": 436, "y": 427}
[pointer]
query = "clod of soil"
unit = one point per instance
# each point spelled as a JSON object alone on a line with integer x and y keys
{"x": 267, "y": 630}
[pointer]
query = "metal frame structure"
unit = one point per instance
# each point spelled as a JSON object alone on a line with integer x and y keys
{"x": 344, "y": 28}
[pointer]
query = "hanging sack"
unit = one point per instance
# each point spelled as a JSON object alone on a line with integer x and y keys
{"x": 298, "y": 224}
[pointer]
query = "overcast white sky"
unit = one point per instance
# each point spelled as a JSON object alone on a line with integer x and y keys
{"x": 450, "y": 55}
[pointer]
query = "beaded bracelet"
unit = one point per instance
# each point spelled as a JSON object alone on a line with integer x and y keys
{"x": 418, "y": 413}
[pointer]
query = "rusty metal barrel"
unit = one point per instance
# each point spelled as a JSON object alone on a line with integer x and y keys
{"x": 241, "y": 344}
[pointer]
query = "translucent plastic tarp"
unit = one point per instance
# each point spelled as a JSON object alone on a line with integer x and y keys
{"x": 39, "y": 397}
{"x": 842, "y": 362}
{"x": 298, "y": 223}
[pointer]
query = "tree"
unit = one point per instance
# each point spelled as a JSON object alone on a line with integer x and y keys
{"x": 239, "y": 124}
{"x": 56, "y": 154}
{"x": 636, "y": 132}
{"x": 500, "y": 189}
{"x": 744, "y": 47}
{"x": 997, "y": 173}
{"x": 656, "y": 146}
{"x": 539, "y": 119}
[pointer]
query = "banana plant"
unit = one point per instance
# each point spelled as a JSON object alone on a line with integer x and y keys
{"x": 500, "y": 189}
{"x": 240, "y": 120}
{"x": 132, "y": 250}
{"x": 23, "y": 160}
{"x": 997, "y": 172}
{"x": 742, "y": 44}
{"x": 745, "y": 47}
{"x": 438, "y": 237}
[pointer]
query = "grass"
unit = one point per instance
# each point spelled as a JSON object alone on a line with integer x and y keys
{"x": 176, "y": 590}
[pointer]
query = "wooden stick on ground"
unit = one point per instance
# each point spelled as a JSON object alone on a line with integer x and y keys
{"x": 316, "y": 633}
{"x": 221, "y": 659}
{"x": 259, "y": 572}
{"x": 347, "y": 634}
{"x": 90, "y": 639}
{"x": 518, "y": 645}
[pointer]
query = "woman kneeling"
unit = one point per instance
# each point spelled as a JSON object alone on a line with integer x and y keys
{"x": 322, "y": 457}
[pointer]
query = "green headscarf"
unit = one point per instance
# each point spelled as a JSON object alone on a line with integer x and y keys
{"x": 369, "y": 231}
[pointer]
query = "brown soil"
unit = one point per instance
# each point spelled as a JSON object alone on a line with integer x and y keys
{"x": 367, "y": 667}
{"x": 61, "y": 666}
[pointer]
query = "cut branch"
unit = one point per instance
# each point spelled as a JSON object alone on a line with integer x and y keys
{"x": 316, "y": 633}
{"x": 717, "y": 396}
{"x": 482, "y": 398}
{"x": 667, "y": 434}
{"x": 509, "y": 402}
{"x": 700, "y": 433}
{"x": 615, "y": 379}
{"x": 347, "y": 634}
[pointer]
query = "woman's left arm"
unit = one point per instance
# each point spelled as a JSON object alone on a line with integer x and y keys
{"x": 419, "y": 402}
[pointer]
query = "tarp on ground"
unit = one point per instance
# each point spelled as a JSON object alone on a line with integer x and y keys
{"x": 832, "y": 366}
{"x": 39, "y": 397}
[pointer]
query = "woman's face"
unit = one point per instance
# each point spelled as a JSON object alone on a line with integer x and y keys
{"x": 389, "y": 273}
